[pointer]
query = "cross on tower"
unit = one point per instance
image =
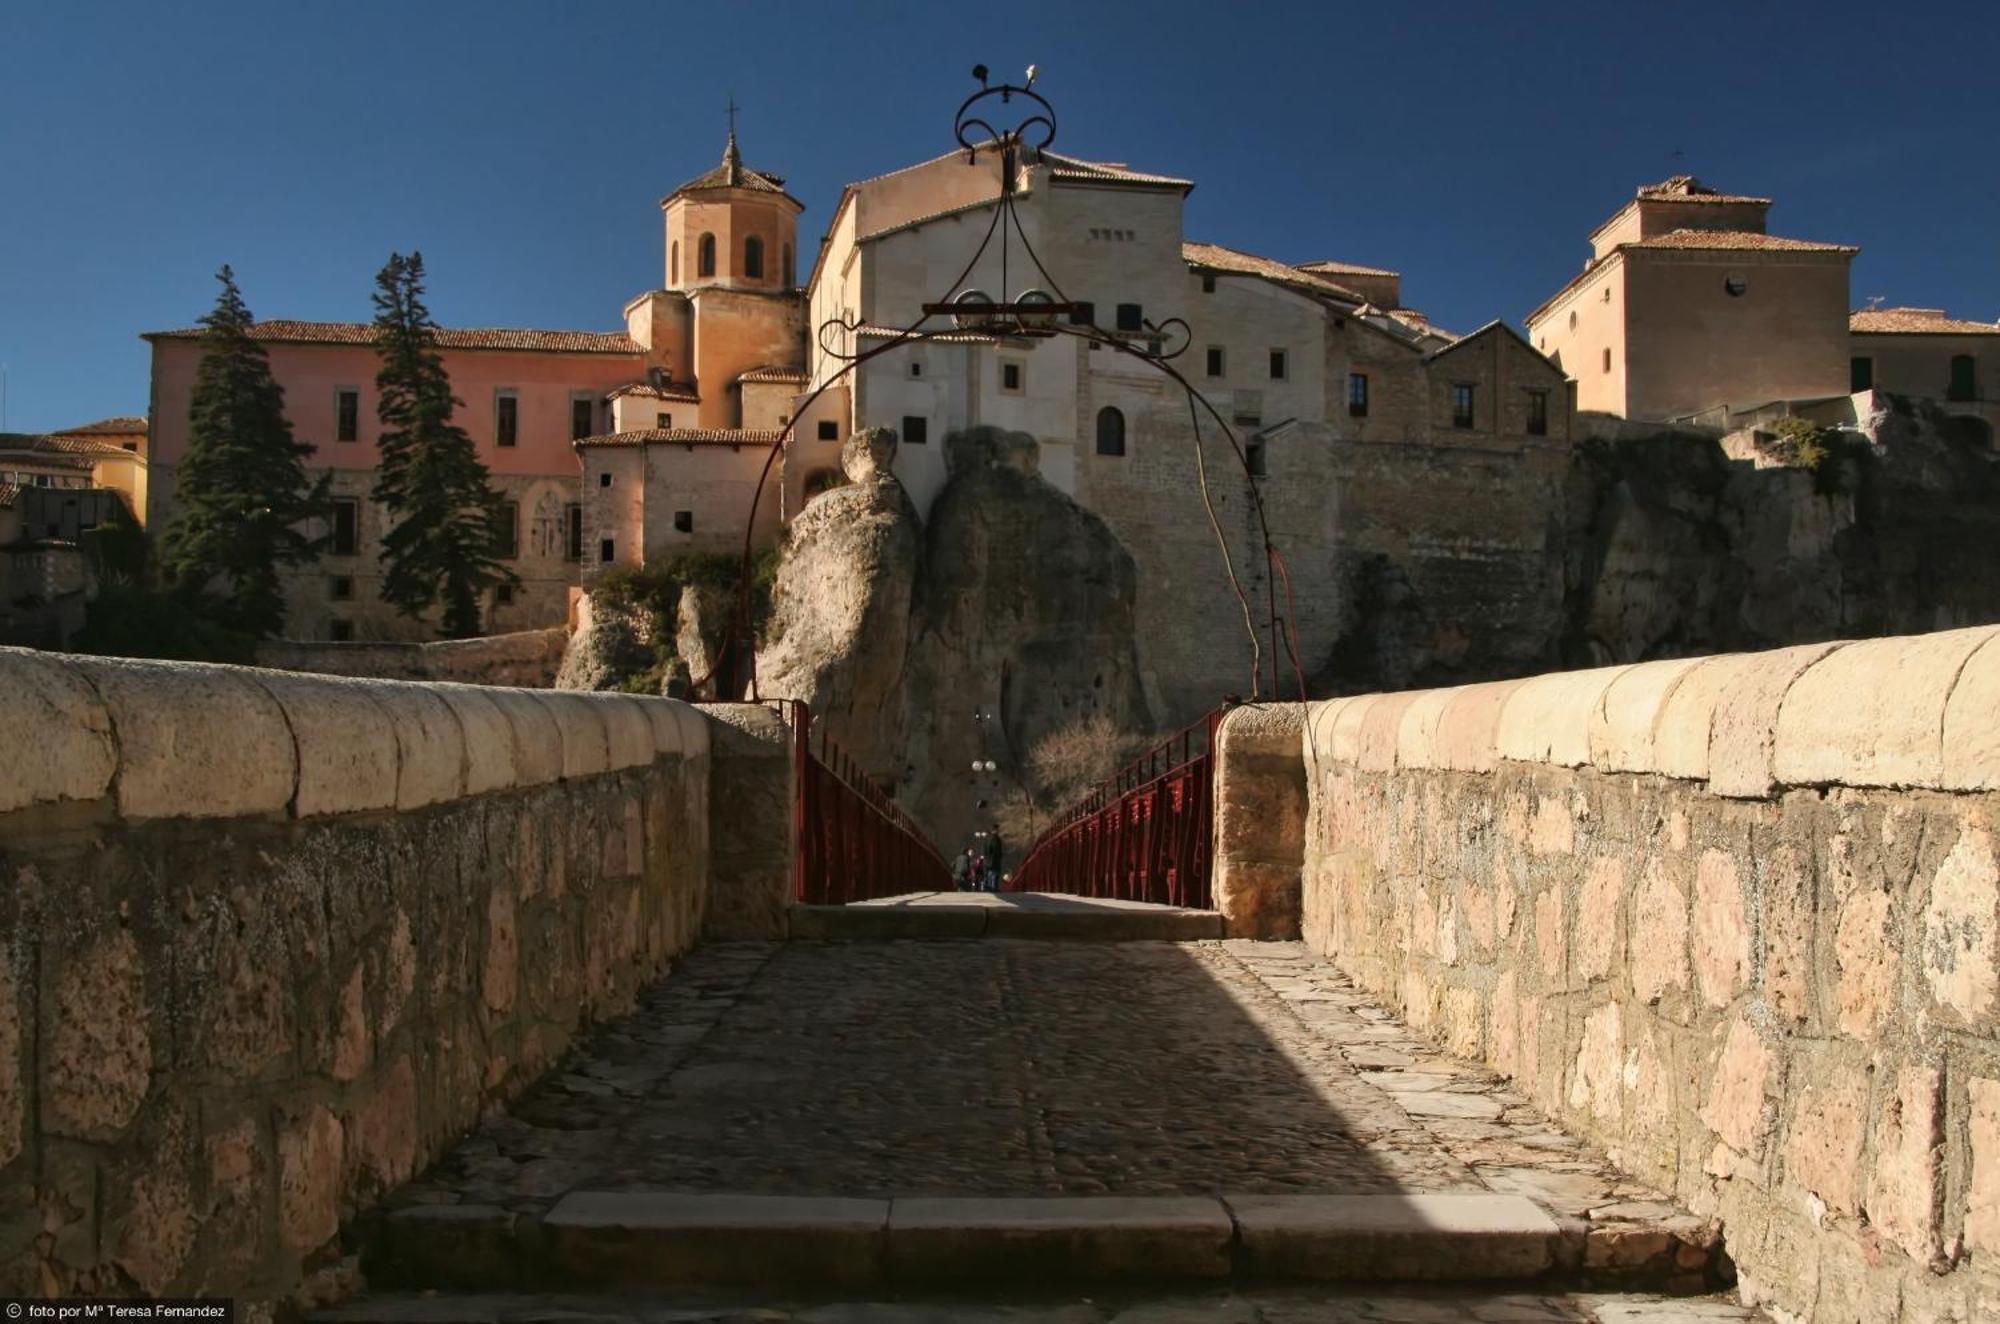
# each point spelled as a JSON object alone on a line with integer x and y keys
{"x": 732, "y": 114}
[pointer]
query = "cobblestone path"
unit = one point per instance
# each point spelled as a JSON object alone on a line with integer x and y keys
{"x": 1026, "y": 1068}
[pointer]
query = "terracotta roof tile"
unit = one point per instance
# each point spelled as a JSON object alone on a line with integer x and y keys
{"x": 1686, "y": 188}
{"x": 9, "y": 494}
{"x": 772, "y": 372}
{"x": 1107, "y": 172}
{"x": 124, "y": 425}
{"x": 947, "y": 337}
{"x": 1332, "y": 268}
{"x": 70, "y": 452}
{"x": 1916, "y": 321}
{"x": 1745, "y": 240}
{"x": 363, "y": 333}
{"x": 679, "y": 392}
{"x": 682, "y": 437}
{"x": 1217, "y": 258}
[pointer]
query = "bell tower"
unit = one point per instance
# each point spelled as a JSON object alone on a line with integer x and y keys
{"x": 733, "y": 226}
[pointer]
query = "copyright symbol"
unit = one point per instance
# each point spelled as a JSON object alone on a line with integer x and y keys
{"x": 13, "y": 1310}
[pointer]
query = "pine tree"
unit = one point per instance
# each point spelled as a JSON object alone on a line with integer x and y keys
{"x": 244, "y": 492}
{"x": 441, "y": 548}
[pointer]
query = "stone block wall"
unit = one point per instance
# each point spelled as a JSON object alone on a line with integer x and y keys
{"x": 527, "y": 658}
{"x": 1736, "y": 918}
{"x": 1260, "y": 816}
{"x": 269, "y": 942}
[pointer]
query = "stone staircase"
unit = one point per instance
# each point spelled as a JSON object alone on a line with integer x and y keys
{"x": 931, "y": 1119}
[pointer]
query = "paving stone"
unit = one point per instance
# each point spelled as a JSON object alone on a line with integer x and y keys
{"x": 646, "y": 1238}
{"x": 951, "y": 1240}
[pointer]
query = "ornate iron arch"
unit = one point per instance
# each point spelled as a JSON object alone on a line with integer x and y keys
{"x": 1035, "y": 313}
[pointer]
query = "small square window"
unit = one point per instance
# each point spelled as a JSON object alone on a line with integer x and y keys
{"x": 916, "y": 430}
{"x": 506, "y": 419}
{"x": 604, "y": 480}
{"x": 1277, "y": 365}
{"x": 606, "y": 551}
{"x": 1010, "y": 378}
{"x": 341, "y": 588}
{"x": 829, "y": 430}
{"x": 340, "y": 631}
{"x": 916, "y": 368}
{"x": 1083, "y": 313}
{"x": 1215, "y": 361}
{"x": 1208, "y": 284}
{"x": 663, "y": 421}
{"x": 503, "y": 595}
{"x": 1131, "y": 317}
{"x": 684, "y": 521}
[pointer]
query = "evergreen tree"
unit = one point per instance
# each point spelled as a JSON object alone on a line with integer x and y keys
{"x": 442, "y": 546}
{"x": 244, "y": 493}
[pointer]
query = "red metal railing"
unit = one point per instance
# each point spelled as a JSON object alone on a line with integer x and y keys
{"x": 854, "y": 843}
{"x": 1144, "y": 835}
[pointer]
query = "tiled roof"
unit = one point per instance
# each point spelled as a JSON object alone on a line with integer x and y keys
{"x": 947, "y": 337}
{"x": 771, "y": 372}
{"x": 124, "y": 425}
{"x": 732, "y": 173}
{"x": 9, "y": 494}
{"x": 1417, "y": 322}
{"x": 1332, "y": 268}
{"x": 363, "y": 333}
{"x": 1917, "y": 321}
{"x": 1215, "y": 257}
{"x": 1108, "y": 172}
{"x": 682, "y": 393}
{"x": 68, "y": 452}
{"x": 1745, "y": 240}
{"x": 682, "y": 437}
{"x": 1686, "y": 188}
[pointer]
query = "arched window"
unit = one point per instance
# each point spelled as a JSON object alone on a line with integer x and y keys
{"x": 674, "y": 263}
{"x": 753, "y": 258}
{"x": 1110, "y": 431}
{"x": 705, "y": 256}
{"x": 791, "y": 272}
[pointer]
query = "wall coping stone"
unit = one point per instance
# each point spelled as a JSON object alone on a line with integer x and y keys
{"x": 203, "y": 740}
{"x": 1918, "y": 711}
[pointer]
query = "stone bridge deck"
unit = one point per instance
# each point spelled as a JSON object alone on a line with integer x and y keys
{"x": 1000, "y": 1069}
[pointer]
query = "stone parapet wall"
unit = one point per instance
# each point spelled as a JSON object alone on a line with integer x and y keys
{"x": 271, "y": 941}
{"x": 1736, "y": 918}
{"x": 527, "y": 658}
{"x": 1260, "y": 815}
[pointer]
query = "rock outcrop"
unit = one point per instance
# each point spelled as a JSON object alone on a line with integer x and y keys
{"x": 608, "y": 647}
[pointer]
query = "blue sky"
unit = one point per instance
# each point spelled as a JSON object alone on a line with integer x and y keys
{"x": 524, "y": 146}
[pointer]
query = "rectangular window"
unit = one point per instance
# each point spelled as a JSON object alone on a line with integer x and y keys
{"x": 1277, "y": 365}
{"x": 507, "y": 531}
{"x": 1538, "y": 413}
{"x": 346, "y": 527}
{"x": 663, "y": 421}
{"x": 1215, "y": 361}
{"x": 503, "y": 595}
{"x": 340, "y": 631}
{"x": 1357, "y": 395}
{"x": 606, "y": 551}
{"x": 1461, "y": 405}
{"x": 573, "y": 519}
{"x": 346, "y": 414}
{"x": 829, "y": 430}
{"x": 1010, "y": 378}
{"x": 581, "y": 411}
{"x": 1131, "y": 317}
{"x": 1964, "y": 384}
{"x": 1607, "y": 358}
{"x": 341, "y": 587}
{"x": 604, "y": 479}
{"x": 1253, "y": 456}
{"x": 684, "y": 521}
{"x": 916, "y": 430}
{"x": 916, "y": 368}
{"x": 506, "y": 419}
{"x": 1083, "y": 313}
{"x": 1208, "y": 284}
{"x": 1861, "y": 373}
